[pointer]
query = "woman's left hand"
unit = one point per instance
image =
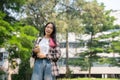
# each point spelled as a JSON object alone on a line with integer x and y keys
{"x": 41, "y": 55}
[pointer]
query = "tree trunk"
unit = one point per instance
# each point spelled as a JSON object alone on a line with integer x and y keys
{"x": 89, "y": 68}
{"x": 90, "y": 55}
{"x": 67, "y": 66}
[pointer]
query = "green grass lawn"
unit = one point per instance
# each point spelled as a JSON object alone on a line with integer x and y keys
{"x": 88, "y": 79}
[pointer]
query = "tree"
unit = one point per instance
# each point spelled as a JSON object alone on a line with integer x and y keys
{"x": 20, "y": 46}
{"x": 14, "y": 36}
{"x": 69, "y": 21}
{"x": 39, "y": 12}
{"x": 5, "y": 30}
{"x": 11, "y": 6}
{"x": 7, "y": 7}
{"x": 95, "y": 19}
{"x": 111, "y": 46}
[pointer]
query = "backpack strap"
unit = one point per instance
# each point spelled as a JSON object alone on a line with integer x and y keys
{"x": 37, "y": 41}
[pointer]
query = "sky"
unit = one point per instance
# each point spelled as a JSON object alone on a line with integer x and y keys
{"x": 111, "y": 4}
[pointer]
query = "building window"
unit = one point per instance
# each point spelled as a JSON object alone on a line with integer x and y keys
{"x": 1, "y": 56}
{"x": 62, "y": 45}
{"x": 71, "y": 45}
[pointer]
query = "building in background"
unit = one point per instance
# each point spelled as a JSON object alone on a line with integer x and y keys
{"x": 116, "y": 14}
{"x": 78, "y": 44}
{"x": 3, "y": 63}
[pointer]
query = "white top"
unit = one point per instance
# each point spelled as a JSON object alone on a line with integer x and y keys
{"x": 44, "y": 45}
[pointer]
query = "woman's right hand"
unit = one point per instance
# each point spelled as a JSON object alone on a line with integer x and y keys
{"x": 36, "y": 49}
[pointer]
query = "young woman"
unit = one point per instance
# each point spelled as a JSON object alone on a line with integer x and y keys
{"x": 46, "y": 55}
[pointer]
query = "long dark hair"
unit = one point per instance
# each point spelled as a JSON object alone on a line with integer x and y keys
{"x": 53, "y": 35}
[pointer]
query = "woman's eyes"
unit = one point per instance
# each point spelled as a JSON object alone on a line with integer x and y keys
{"x": 49, "y": 27}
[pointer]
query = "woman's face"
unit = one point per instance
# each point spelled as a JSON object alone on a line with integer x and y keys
{"x": 49, "y": 29}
